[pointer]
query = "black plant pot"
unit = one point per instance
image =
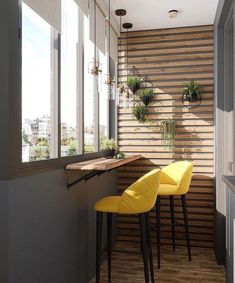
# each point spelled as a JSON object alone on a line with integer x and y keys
{"x": 146, "y": 100}
{"x": 140, "y": 117}
{"x": 134, "y": 87}
{"x": 110, "y": 153}
{"x": 193, "y": 97}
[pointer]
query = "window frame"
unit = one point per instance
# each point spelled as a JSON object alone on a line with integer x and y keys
{"x": 32, "y": 167}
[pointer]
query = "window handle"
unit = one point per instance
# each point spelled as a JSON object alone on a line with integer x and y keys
{"x": 230, "y": 166}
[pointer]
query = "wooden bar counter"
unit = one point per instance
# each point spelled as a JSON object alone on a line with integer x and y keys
{"x": 102, "y": 164}
{"x": 97, "y": 167}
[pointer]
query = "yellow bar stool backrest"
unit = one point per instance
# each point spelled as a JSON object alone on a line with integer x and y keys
{"x": 178, "y": 174}
{"x": 141, "y": 196}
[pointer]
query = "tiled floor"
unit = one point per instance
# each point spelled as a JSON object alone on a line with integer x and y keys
{"x": 175, "y": 267}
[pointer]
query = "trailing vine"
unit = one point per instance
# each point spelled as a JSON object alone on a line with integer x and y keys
{"x": 168, "y": 130}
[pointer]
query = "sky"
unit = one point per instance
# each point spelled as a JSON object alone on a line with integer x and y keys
{"x": 36, "y": 67}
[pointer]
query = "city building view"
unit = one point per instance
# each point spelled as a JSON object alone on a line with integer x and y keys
{"x": 36, "y": 141}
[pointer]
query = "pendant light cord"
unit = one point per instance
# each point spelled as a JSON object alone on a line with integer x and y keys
{"x": 109, "y": 38}
{"x": 127, "y": 52}
{"x": 95, "y": 31}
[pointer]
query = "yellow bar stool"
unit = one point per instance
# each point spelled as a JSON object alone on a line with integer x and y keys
{"x": 175, "y": 180}
{"x": 139, "y": 198}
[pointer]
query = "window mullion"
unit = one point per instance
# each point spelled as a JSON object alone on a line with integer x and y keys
{"x": 54, "y": 94}
{"x": 96, "y": 113}
{"x": 59, "y": 97}
{"x": 80, "y": 83}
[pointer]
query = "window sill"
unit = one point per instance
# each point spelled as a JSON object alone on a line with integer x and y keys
{"x": 35, "y": 167}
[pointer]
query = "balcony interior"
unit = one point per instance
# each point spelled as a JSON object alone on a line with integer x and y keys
{"x": 53, "y": 174}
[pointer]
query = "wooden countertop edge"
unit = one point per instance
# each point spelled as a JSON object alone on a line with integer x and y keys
{"x": 110, "y": 163}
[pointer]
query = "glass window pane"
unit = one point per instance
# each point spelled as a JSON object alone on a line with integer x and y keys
{"x": 103, "y": 99}
{"x": 39, "y": 79}
{"x": 89, "y": 101}
{"x": 69, "y": 78}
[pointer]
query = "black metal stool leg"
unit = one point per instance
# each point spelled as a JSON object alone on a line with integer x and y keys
{"x": 144, "y": 246}
{"x": 99, "y": 220}
{"x": 109, "y": 238}
{"x": 149, "y": 242}
{"x": 172, "y": 220}
{"x": 186, "y": 225}
{"x": 158, "y": 217}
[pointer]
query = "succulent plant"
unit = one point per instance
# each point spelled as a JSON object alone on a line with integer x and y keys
{"x": 145, "y": 95}
{"x": 140, "y": 111}
{"x": 192, "y": 91}
{"x": 134, "y": 83}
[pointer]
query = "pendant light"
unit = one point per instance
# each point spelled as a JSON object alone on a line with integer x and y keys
{"x": 124, "y": 88}
{"x": 120, "y": 13}
{"x": 94, "y": 65}
{"x": 127, "y": 26}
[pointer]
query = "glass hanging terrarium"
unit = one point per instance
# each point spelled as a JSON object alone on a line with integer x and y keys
{"x": 109, "y": 79}
{"x": 95, "y": 67}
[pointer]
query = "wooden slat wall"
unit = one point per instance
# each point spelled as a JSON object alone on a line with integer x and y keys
{"x": 171, "y": 57}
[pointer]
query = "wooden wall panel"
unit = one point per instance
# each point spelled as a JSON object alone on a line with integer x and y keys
{"x": 171, "y": 57}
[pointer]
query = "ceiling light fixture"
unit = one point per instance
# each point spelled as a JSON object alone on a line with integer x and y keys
{"x": 173, "y": 14}
{"x": 120, "y": 13}
{"x": 123, "y": 88}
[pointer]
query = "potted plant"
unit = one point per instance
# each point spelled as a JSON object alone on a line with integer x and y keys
{"x": 145, "y": 95}
{"x": 134, "y": 83}
{"x": 168, "y": 129}
{"x": 139, "y": 111}
{"x": 119, "y": 155}
{"x": 109, "y": 145}
{"x": 192, "y": 91}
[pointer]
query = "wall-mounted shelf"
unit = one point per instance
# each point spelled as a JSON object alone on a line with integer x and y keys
{"x": 97, "y": 167}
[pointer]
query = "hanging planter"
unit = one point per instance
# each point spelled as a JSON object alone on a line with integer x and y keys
{"x": 145, "y": 95}
{"x": 192, "y": 91}
{"x": 168, "y": 130}
{"x": 140, "y": 111}
{"x": 94, "y": 67}
{"x": 134, "y": 83}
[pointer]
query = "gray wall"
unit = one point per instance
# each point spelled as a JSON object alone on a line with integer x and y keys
{"x": 221, "y": 108}
{"x": 48, "y": 233}
{"x": 4, "y": 231}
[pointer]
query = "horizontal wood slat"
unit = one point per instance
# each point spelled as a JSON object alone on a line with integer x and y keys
{"x": 170, "y": 58}
{"x": 167, "y": 32}
{"x": 173, "y": 70}
{"x": 148, "y": 66}
{"x": 159, "y": 45}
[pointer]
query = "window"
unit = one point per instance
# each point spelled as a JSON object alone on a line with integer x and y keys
{"x": 65, "y": 109}
{"x": 69, "y": 78}
{"x": 90, "y": 83}
{"x": 103, "y": 100}
{"x": 39, "y": 81}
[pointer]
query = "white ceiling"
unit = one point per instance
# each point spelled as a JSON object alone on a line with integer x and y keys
{"x": 153, "y": 14}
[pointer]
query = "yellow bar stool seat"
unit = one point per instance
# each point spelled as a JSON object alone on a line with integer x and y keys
{"x": 139, "y": 198}
{"x": 175, "y": 180}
